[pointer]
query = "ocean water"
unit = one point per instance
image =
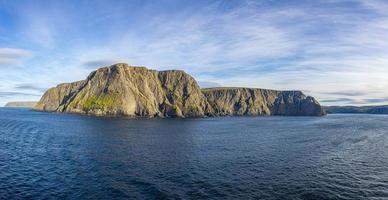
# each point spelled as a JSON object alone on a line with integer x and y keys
{"x": 64, "y": 156}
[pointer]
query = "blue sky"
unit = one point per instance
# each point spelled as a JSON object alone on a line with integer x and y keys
{"x": 336, "y": 51}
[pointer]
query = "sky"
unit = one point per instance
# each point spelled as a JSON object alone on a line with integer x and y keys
{"x": 336, "y": 51}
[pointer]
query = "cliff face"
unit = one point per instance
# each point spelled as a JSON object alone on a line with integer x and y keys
{"x": 248, "y": 101}
{"x": 128, "y": 91}
{"x": 54, "y": 99}
{"x": 138, "y": 91}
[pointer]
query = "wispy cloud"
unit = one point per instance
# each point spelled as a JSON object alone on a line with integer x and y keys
{"x": 378, "y": 100}
{"x": 206, "y": 40}
{"x": 335, "y": 50}
{"x": 347, "y": 93}
{"x": 12, "y": 94}
{"x": 30, "y": 86}
{"x": 40, "y": 25}
{"x": 10, "y": 56}
{"x": 341, "y": 100}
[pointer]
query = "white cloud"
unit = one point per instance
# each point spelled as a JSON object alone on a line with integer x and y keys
{"x": 43, "y": 25}
{"x": 203, "y": 42}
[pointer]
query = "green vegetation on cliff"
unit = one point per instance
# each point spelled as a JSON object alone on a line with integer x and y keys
{"x": 93, "y": 102}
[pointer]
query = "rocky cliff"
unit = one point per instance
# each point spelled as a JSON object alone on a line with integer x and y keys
{"x": 128, "y": 91}
{"x": 250, "y": 101}
{"x": 121, "y": 90}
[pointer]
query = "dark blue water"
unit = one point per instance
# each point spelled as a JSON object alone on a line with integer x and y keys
{"x": 47, "y": 155}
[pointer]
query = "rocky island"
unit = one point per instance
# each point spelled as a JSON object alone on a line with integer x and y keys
{"x": 122, "y": 90}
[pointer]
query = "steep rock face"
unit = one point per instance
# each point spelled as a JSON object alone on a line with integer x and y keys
{"x": 55, "y": 98}
{"x": 240, "y": 101}
{"x": 248, "y": 101}
{"x": 129, "y": 91}
{"x": 297, "y": 104}
{"x": 137, "y": 91}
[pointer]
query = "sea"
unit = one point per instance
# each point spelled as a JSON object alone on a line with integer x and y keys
{"x": 67, "y": 156}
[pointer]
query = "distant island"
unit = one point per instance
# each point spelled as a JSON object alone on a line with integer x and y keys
{"x": 122, "y": 90}
{"x": 21, "y": 104}
{"x": 383, "y": 109}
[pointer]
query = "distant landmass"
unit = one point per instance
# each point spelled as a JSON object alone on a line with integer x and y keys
{"x": 21, "y": 104}
{"x": 383, "y": 109}
{"x": 122, "y": 90}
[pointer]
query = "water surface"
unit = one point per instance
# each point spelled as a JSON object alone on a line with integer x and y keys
{"x": 46, "y": 155}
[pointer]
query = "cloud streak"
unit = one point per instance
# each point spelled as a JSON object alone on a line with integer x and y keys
{"x": 10, "y": 56}
{"x": 30, "y": 87}
{"x": 13, "y": 94}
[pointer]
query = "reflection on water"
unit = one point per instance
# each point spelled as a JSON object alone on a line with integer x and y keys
{"x": 45, "y": 155}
